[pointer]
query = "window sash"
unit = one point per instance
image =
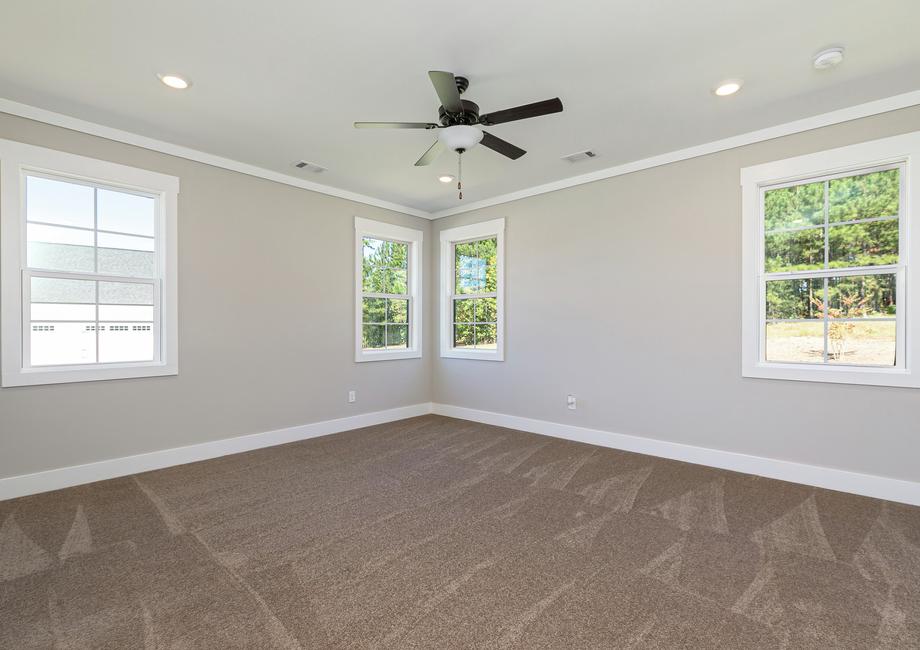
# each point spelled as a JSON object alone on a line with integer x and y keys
{"x": 899, "y": 270}
{"x": 391, "y": 296}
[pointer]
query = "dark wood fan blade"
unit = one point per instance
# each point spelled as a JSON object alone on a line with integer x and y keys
{"x": 446, "y": 86}
{"x": 395, "y": 125}
{"x": 429, "y": 156}
{"x": 503, "y": 147}
{"x": 522, "y": 112}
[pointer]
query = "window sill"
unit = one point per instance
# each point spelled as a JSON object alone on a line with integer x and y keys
{"x": 43, "y": 376}
{"x": 387, "y": 355}
{"x": 861, "y": 376}
{"x": 490, "y": 355}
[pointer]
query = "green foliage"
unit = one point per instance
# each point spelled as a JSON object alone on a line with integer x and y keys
{"x": 794, "y": 207}
{"x": 864, "y": 197}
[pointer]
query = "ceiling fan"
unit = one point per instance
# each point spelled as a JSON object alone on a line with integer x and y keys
{"x": 457, "y": 117}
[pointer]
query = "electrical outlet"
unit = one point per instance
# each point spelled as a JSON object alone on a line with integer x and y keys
{"x": 352, "y": 396}
{"x": 570, "y": 402}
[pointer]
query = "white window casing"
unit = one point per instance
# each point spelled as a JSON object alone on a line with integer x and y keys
{"x": 413, "y": 238}
{"x": 19, "y": 162}
{"x": 900, "y": 152}
{"x": 450, "y": 238}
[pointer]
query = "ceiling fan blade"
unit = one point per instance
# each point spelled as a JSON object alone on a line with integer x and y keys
{"x": 395, "y": 125}
{"x": 429, "y": 156}
{"x": 446, "y": 86}
{"x": 522, "y": 112}
{"x": 503, "y": 147}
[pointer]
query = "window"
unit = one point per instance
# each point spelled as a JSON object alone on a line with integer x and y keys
{"x": 828, "y": 287}
{"x": 388, "y": 311}
{"x": 88, "y": 268}
{"x": 472, "y": 291}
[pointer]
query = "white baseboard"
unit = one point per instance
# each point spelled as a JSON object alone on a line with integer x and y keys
{"x": 54, "y": 479}
{"x": 869, "y": 485}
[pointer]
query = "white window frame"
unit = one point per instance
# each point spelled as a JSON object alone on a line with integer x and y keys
{"x": 18, "y": 159}
{"x": 898, "y": 150}
{"x": 449, "y": 239}
{"x": 414, "y": 238}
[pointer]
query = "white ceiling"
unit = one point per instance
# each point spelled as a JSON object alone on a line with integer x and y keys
{"x": 279, "y": 81}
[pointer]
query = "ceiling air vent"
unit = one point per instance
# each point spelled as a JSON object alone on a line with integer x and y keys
{"x": 309, "y": 167}
{"x": 579, "y": 156}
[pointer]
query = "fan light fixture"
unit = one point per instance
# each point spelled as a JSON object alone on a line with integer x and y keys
{"x": 461, "y": 137}
{"x": 174, "y": 81}
{"x": 445, "y": 178}
{"x": 729, "y": 87}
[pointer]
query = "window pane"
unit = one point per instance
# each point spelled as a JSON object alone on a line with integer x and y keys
{"x": 863, "y": 244}
{"x": 398, "y": 311}
{"x": 121, "y": 342}
{"x": 795, "y": 342}
{"x": 125, "y": 293}
{"x": 123, "y": 212}
{"x": 486, "y": 311}
{"x": 871, "y": 343}
{"x": 793, "y": 207}
{"x": 469, "y": 268}
{"x": 485, "y": 337}
{"x": 463, "y": 310}
{"x": 373, "y": 337}
{"x": 62, "y": 311}
{"x": 397, "y": 255}
{"x": 864, "y": 197}
{"x": 397, "y": 281}
{"x": 60, "y": 249}
{"x": 488, "y": 254}
{"x": 62, "y": 343}
{"x": 126, "y": 262}
{"x": 58, "y": 290}
{"x": 795, "y": 298}
{"x": 374, "y": 310}
{"x": 798, "y": 250}
{"x": 138, "y": 313}
{"x": 60, "y": 202}
{"x": 463, "y": 336}
{"x": 862, "y": 296}
{"x": 397, "y": 336}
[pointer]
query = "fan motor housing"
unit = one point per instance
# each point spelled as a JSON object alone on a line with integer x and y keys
{"x": 470, "y": 114}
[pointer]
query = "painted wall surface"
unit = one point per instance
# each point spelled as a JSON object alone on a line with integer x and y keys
{"x": 266, "y": 305}
{"x": 627, "y": 293}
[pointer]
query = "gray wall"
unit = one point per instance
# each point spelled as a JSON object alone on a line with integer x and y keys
{"x": 643, "y": 272}
{"x": 266, "y": 304}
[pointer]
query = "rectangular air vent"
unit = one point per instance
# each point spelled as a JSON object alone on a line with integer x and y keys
{"x": 309, "y": 167}
{"x": 579, "y": 156}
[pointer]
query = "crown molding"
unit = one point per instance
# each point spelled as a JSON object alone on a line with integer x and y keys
{"x": 868, "y": 109}
{"x": 876, "y": 107}
{"x": 109, "y": 133}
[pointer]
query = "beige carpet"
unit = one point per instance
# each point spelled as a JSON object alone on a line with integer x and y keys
{"x": 441, "y": 533}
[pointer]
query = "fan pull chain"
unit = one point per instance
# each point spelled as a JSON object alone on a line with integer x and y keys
{"x": 460, "y": 174}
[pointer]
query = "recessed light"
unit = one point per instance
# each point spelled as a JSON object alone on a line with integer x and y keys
{"x": 445, "y": 179}
{"x": 828, "y": 58}
{"x": 174, "y": 80}
{"x": 729, "y": 87}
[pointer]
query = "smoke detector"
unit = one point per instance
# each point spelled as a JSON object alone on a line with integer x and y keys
{"x": 828, "y": 58}
{"x": 310, "y": 167}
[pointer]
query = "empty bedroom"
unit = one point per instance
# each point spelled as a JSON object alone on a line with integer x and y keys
{"x": 488, "y": 325}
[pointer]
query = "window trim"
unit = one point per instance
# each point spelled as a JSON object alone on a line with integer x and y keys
{"x": 450, "y": 237}
{"x": 843, "y": 161}
{"x": 17, "y": 159}
{"x": 415, "y": 239}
